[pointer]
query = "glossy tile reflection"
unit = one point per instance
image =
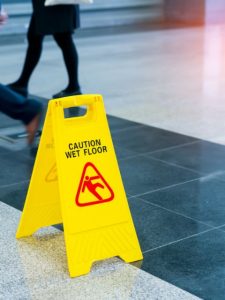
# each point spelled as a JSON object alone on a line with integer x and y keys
{"x": 197, "y": 264}
{"x": 201, "y": 200}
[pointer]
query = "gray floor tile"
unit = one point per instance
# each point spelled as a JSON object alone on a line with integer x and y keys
{"x": 14, "y": 195}
{"x": 123, "y": 153}
{"x": 148, "y": 139}
{"x": 203, "y": 157}
{"x": 222, "y": 228}
{"x": 220, "y": 175}
{"x": 196, "y": 264}
{"x": 142, "y": 174}
{"x": 15, "y": 168}
{"x": 202, "y": 200}
{"x": 117, "y": 124}
{"x": 2, "y": 150}
{"x": 156, "y": 227}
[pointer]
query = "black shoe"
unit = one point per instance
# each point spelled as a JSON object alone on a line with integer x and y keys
{"x": 18, "y": 89}
{"x": 66, "y": 93}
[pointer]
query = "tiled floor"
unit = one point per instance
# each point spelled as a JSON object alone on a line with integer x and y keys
{"x": 168, "y": 86}
{"x": 176, "y": 201}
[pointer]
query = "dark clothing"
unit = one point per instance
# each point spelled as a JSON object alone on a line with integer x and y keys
{"x": 70, "y": 56}
{"x": 59, "y": 21}
{"x": 54, "y": 19}
{"x": 18, "y": 107}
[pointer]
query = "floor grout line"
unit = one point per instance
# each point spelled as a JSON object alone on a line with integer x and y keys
{"x": 203, "y": 175}
{"x": 186, "y": 238}
{"x": 155, "y": 151}
{"x": 130, "y": 156}
{"x": 172, "y": 147}
{"x": 177, "y": 213}
{"x": 219, "y": 228}
{"x": 165, "y": 162}
{"x": 180, "y": 240}
{"x": 13, "y": 184}
{"x": 127, "y": 128}
{"x": 164, "y": 188}
{"x": 175, "y": 165}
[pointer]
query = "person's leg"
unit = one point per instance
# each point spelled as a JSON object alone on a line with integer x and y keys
{"x": 70, "y": 56}
{"x": 21, "y": 108}
{"x": 33, "y": 54}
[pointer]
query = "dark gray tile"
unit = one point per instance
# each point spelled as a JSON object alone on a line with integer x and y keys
{"x": 15, "y": 168}
{"x": 123, "y": 153}
{"x": 196, "y": 264}
{"x": 202, "y": 200}
{"x": 3, "y": 151}
{"x": 222, "y": 228}
{"x": 19, "y": 142}
{"x": 14, "y": 195}
{"x": 148, "y": 139}
{"x": 204, "y": 157}
{"x": 219, "y": 175}
{"x": 156, "y": 226}
{"x": 116, "y": 123}
{"x": 141, "y": 175}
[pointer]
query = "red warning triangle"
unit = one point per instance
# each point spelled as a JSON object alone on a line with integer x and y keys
{"x": 93, "y": 188}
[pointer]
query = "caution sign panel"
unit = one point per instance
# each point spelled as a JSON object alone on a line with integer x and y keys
{"x": 77, "y": 178}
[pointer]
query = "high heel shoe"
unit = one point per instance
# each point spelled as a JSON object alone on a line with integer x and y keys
{"x": 65, "y": 93}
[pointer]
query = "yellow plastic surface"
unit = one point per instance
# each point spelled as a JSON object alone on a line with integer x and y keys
{"x": 76, "y": 180}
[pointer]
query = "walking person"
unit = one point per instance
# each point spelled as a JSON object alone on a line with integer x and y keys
{"x": 18, "y": 107}
{"x": 60, "y": 22}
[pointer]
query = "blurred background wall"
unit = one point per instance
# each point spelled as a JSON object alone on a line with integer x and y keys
{"x": 100, "y": 14}
{"x": 131, "y": 13}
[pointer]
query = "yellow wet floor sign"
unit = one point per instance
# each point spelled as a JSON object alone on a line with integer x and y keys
{"x": 76, "y": 181}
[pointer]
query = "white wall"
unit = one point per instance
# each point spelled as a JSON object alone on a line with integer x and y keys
{"x": 215, "y": 11}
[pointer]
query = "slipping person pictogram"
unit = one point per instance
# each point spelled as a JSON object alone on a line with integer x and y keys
{"x": 92, "y": 187}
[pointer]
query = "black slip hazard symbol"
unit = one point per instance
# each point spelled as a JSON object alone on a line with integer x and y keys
{"x": 93, "y": 188}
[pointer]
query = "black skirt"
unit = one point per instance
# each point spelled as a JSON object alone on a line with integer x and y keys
{"x": 54, "y": 19}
